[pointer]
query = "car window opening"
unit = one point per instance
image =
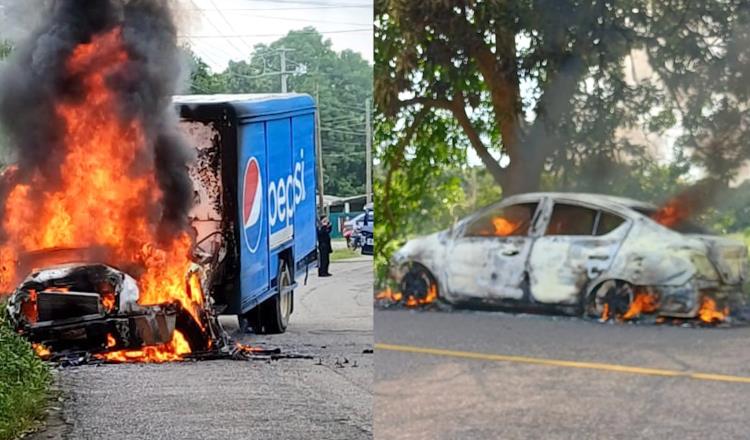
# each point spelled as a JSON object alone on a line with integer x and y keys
{"x": 571, "y": 220}
{"x": 509, "y": 221}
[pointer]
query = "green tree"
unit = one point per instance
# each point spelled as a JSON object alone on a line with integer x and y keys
{"x": 341, "y": 82}
{"x": 202, "y": 80}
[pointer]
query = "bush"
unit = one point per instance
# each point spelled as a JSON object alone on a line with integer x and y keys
{"x": 24, "y": 382}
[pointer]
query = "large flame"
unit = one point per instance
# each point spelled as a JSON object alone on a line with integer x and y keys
{"x": 106, "y": 195}
{"x": 175, "y": 350}
{"x": 643, "y": 302}
{"x": 710, "y": 313}
{"x": 411, "y": 301}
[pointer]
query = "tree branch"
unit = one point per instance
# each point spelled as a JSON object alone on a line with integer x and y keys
{"x": 459, "y": 112}
{"x": 398, "y": 158}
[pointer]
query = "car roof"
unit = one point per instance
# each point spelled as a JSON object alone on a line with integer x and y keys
{"x": 602, "y": 200}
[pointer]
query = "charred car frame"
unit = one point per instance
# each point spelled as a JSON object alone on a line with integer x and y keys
{"x": 576, "y": 253}
{"x": 87, "y": 306}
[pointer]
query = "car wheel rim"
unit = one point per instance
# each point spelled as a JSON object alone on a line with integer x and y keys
{"x": 416, "y": 283}
{"x": 611, "y": 299}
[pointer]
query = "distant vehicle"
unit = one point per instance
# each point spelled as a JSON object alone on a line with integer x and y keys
{"x": 367, "y": 239}
{"x": 350, "y": 231}
{"x": 582, "y": 253}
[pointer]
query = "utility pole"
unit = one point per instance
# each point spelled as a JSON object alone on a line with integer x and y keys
{"x": 284, "y": 72}
{"x": 319, "y": 152}
{"x": 368, "y": 151}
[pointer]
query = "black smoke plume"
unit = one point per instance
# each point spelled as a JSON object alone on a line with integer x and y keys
{"x": 35, "y": 78}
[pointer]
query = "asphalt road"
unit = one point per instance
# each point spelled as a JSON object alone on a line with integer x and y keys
{"x": 328, "y": 397}
{"x": 457, "y": 375}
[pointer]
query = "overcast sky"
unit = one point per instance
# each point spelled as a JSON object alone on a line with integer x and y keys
{"x": 220, "y": 30}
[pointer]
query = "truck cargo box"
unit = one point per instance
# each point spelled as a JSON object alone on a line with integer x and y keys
{"x": 254, "y": 176}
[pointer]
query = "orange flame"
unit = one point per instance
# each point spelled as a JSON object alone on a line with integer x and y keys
{"x": 41, "y": 351}
{"x": 389, "y": 295}
{"x": 411, "y": 300}
{"x": 107, "y": 194}
{"x": 708, "y": 312}
{"x": 671, "y": 214}
{"x": 175, "y": 350}
{"x": 643, "y": 302}
{"x": 108, "y": 301}
{"x": 503, "y": 226}
{"x": 605, "y": 312}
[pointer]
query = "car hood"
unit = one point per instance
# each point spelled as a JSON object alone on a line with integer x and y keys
{"x": 420, "y": 249}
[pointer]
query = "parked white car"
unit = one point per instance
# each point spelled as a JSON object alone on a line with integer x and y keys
{"x": 579, "y": 253}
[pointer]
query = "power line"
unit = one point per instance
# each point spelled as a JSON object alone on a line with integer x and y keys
{"x": 316, "y": 3}
{"x": 231, "y": 28}
{"x": 217, "y": 48}
{"x": 213, "y": 25}
{"x": 270, "y": 17}
{"x": 277, "y": 35}
{"x": 279, "y": 9}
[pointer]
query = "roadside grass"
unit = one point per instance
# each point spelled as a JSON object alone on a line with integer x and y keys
{"x": 24, "y": 383}
{"x": 344, "y": 254}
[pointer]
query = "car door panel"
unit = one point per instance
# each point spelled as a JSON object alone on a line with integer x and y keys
{"x": 492, "y": 267}
{"x": 505, "y": 275}
{"x": 565, "y": 259}
{"x": 560, "y": 266}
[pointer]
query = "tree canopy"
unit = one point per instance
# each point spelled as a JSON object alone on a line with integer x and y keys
{"x": 559, "y": 94}
{"x": 341, "y": 82}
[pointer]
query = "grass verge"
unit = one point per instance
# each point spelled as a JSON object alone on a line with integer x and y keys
{"x": 24, "y": 383}
{"x": 344, "y": 254}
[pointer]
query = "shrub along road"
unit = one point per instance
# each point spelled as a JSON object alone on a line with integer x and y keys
{"x": 24, "y": 382}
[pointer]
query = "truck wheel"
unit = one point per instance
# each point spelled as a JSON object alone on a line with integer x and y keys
{"x": 274, "y": 312}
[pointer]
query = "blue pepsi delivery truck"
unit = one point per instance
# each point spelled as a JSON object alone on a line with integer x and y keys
{"x": 254, "y": 213}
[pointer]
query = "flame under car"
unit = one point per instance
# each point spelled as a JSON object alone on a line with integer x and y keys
{"x": 599, "y": 255}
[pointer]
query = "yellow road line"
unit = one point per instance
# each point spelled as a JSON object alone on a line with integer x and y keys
{"x": 563, "y": 363}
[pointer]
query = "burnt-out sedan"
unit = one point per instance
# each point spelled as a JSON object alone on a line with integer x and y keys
{"x": 600, "y": 255}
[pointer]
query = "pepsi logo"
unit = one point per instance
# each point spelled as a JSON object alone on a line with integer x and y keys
{"x": 252, "y": 204}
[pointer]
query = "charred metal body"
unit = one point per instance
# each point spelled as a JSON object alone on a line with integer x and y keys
{"x": 82, "y": 305}
{"x": 557, "y": 251}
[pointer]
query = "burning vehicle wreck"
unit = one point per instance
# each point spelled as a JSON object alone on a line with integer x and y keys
{"x": 601, "y": 256}
{"x": 87, "y": 307}
{"x": 132, "y": 217}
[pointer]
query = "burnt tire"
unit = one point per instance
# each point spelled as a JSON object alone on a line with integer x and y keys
{"x": 416, "y": 282}
{"x": 273, "y": 315}
{"x": 613, "y": 296}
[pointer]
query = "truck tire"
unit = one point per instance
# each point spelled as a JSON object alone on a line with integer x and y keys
{"x": 274, "y": 312}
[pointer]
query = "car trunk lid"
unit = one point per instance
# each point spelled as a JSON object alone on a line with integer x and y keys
{"x": 729, "y": 256}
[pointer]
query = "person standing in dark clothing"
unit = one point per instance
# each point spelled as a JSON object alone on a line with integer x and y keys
{"x": 324, "y": 246}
